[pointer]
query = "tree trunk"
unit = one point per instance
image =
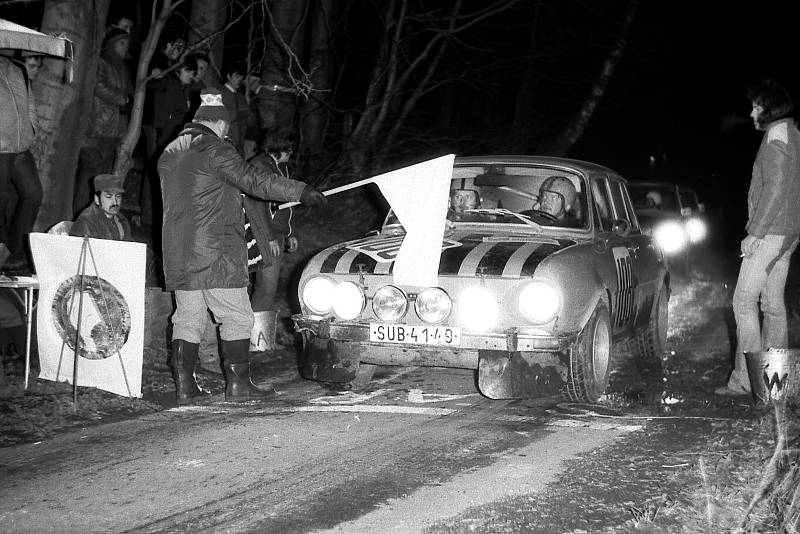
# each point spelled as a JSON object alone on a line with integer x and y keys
{"x": 286, "y": 18}
{"x": 321, "y": 65}
{"x": 575, "y": 128}
{"x": 63, "y": 107}
{"x": 209, "y": 17}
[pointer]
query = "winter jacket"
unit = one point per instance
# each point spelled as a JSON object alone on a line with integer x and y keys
{"x": 17, "y": 109}
{"x": 266, "y": 225}
{"x": 93, "y": 222}
{"x": 111, "y": 95}
{"x": 775, "y": 186}
{"x": 202, "y": 178}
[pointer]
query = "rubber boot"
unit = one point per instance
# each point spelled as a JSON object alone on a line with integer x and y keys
{"x": 236, "y": 363}
{"x": 184, "y": 360}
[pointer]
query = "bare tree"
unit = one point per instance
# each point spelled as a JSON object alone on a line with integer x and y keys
{"x": 62, "y": 107}
{"x": 575, "y": 128}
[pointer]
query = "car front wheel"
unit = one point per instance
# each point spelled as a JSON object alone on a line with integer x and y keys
{"x": 590, "y": 359}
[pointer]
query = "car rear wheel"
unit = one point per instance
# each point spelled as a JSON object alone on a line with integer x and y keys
{"x": 590, "y": 359}
{"x": 652, "y": 341}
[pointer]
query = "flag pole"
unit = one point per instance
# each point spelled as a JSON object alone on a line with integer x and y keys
{"x": 333, "y": 191}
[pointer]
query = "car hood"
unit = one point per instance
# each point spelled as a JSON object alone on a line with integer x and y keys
{"x": 505, "y": 255}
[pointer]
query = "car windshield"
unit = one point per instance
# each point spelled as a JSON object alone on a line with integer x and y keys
{"x": 654, "y": 196}
{"x": 534, "y": 196}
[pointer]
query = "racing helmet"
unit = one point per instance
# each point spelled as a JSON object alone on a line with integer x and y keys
{"x": 563, "y": 186}
{"x": 464, "y": 195}
{"x": 654, "y": 199}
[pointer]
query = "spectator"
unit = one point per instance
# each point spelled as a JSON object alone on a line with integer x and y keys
{"x": 270, "y": 230}
{"x": 169, "y": 104}
{"x": 112, "y": 96}
{"x": 236, "y": 101}
{"x": 198, "y": 80}
{"x": 120, "y": 22}
{"x": 104, "y": 220}
{"x": 17, "y": 168}
{"x": 205, "y": 254}
{"x": 773, "y": 227}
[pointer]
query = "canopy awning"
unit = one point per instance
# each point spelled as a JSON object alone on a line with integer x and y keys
{"x": 21, "y": 38}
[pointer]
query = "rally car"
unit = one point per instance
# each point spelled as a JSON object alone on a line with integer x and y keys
{"x": 537, "y": 304}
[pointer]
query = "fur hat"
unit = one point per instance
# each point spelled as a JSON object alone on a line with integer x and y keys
{"x": 109, "y": 182}
{"x": 212, "y": 107}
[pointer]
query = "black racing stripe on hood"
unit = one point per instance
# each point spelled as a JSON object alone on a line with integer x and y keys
{"x": 452, "y": 258}
{"x": 495, "y": 261}
{"x": 329, "y": 265}
{"x": 363, "y": 259}
{"x": 533, "y": 261}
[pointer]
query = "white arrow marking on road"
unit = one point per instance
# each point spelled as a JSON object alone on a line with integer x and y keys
{"x": 418, "y": 397}
{"x": 366, "y": 408}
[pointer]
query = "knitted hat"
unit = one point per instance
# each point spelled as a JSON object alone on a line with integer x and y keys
{"x": 109, "y": 182}
{"x": 212, "y": 108}
{"x": 113, "y": 35}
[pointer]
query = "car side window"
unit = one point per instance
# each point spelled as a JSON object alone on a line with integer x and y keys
{"x": 618, "y": 199}
{"x": 602, "y": 204}
{"x": 626, "y": 197}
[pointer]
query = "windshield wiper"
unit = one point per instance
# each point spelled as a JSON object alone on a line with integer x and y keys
{"x": 502, "y": 211}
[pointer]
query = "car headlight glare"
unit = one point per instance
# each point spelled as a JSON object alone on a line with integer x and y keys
{"x": 696, "y": 229}
{"x": 433, "y": 305}
{"x": 539, "y": 302}
{"x": 389, "y": 303}
{"x": 477, "y": 308}
{"x": 318, "y": 294}
{"x": 670, "y": 236}
{"x": 348, "y": 301}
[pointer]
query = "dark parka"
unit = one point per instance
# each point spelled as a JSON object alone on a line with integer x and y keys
{"x": 202, "y": 178}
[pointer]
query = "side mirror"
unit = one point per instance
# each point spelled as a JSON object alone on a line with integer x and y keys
{"x": 621, "y": 227}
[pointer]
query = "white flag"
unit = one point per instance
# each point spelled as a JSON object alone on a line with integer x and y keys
{"x": 418, "y": 196}
{"x": 111, "y": 305}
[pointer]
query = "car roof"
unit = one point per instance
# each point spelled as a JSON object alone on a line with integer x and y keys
{"x": 652, "y": 183}
{"x": 580, "y": 165}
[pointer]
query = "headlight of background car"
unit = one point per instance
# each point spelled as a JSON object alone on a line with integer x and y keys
{"x": 670, "y": 236}
{"x": 477, "y": 308}
{"x": 389, "y": 303}
{"x": 433, "y": 305}
{"x": 539, "y": 302}
{"x": 318, "y": 294}
{"x": 696, "y": 229}
{"x": 348, "y": 300}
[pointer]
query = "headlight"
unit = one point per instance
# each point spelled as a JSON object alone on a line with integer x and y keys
{"x": 433, "y": 305}
{"x": 670, "y": 236}
{"x": 477, "y": 308}
{"x": 318, "y": 294}
{"x": 389, "y": 303}
{"x": 539, "y": 302}
{"x": 348, "y": 301}
{"x": 696, "y": 229}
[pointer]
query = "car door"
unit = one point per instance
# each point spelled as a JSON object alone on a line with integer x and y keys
{"x": 613, "y": 222}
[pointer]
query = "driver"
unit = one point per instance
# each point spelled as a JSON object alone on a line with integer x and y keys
{"x": 556, "y": 197}
{"x": 654, "y": 199}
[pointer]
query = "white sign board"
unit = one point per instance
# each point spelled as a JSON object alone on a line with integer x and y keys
{"x": 110, "y": 324}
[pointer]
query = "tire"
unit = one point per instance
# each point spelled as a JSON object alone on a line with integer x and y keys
{"x": 590, "y": 359}
{"x": 363, "y": 377}
{"x": 652, "y": 341}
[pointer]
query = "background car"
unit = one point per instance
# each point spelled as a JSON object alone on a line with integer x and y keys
{"x": 697, "y": 223}
{"x": 536, "y": 306}
{"x": 662, "y": 214}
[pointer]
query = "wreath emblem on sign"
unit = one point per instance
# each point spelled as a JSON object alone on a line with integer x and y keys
{"x": 105, "y": 318}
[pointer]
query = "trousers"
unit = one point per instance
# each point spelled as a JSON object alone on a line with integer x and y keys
{"x": 230, "y": 306}
{"x": 762, "y": 278}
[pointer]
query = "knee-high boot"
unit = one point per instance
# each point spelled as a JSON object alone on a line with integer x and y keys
{"x": 184, "y": 360}
{"x": 236, "y": 363}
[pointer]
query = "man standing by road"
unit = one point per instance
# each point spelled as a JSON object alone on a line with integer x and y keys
{"x": 205, "y": 254}
{"x": 772, "y": 228}
{"x": 102, "y": 218}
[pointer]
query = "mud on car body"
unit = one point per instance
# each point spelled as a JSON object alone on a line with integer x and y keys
{"x": 537, "y": 305}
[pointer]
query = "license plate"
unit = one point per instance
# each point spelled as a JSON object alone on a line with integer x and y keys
{"x": 415, "y": 334}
